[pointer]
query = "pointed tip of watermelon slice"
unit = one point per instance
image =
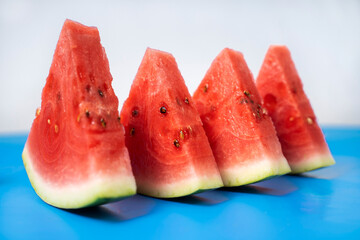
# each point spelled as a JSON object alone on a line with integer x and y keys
{"x": 71, "y": 25}
{"x": 255, "y": 172}
{"x": 91, "y": 193}
{"x": 312, "y": 163}
{"x": 158, "y": 56}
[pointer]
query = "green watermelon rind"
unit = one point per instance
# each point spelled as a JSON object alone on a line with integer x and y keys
{"x": 91, "y": 193}
{"x": 255, "y": 171}
{"x": 181, "y": 188}
{"x": 312, "y": 163}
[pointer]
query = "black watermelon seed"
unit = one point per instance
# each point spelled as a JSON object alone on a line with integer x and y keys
{"x": 132, "y": 131}
{"x": 206, "y": 87}
{"x": 176, "y": 143}
{"x": 58, "y": 95}
{"x": 163, "y": 110}
{"x": 103, "y": 123}
{"x": 135, "y": 112}
{"x": 243, "y": 100}
{"x": 101, "y": 93}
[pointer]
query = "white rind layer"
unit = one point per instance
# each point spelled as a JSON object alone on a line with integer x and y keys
{"x": 180, "y": 188}
{"x": 312, "y": 163}
{"x": 95, "y": 191}
{"x": 254, "y": 172}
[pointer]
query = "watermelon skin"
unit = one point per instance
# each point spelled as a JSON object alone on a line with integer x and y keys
{"x": 301, "y": 138}
{"x": 241, "y": 135}
{"x": 169, "y": 151}
{"x": 75, "y": 155}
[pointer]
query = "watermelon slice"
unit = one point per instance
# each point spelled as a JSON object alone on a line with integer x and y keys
{"x": 242, "y": 136}
{"x": 169, "y": 151}
{"x": 75, "y": 154}
{"x": 301, "y": 138}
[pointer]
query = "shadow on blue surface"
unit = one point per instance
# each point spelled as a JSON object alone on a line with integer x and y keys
{"x": 98, "y": 212}
{"x": 124, "y": 210}
{"x": 208, "y": 198}
{"x": 254, "y": 190}
{"x": 274, "y": 187}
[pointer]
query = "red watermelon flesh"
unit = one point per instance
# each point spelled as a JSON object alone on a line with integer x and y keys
{"x": 242, "y": 136}
{"x": 75, "y": 154}
{"x": 302, "y": 140}
{"x": 169, "y": 151}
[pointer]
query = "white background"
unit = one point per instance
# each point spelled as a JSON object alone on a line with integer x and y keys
{"x": 323, "y": 36}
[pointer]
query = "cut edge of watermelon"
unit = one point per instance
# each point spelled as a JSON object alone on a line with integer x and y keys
{"x": 255, "y": 172}
{"x": 181, "y": 188}
{"x": 312, "y": 163}
{"x": 90, "y": 193}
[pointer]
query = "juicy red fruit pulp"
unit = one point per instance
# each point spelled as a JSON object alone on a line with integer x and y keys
{"x": 164, "y": 134}
{"x": 240, "y": 132}
{"x": 77, "y": 136}
{"x": 281, "y": 89}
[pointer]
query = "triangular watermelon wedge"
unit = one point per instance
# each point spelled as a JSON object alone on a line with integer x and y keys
{"x": 75, "y": 154}
{"x": 169, "y": 151}
{"x": 301, "y": 138}
{"x": 242, "y": 136}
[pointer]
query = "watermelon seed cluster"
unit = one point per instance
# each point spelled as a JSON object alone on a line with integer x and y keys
{"x": 182, "y": 134}
{"x": 87, "y": 114}
{"x": 247, "y": 99}
{"x": 258, "y": 110}
{"x": 164, "y": 111}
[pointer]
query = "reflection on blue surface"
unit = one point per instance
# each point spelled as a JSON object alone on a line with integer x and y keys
{"x": 323, "y": 204}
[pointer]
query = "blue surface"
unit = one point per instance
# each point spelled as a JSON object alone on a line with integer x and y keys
{"x": 323, "y": 204}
